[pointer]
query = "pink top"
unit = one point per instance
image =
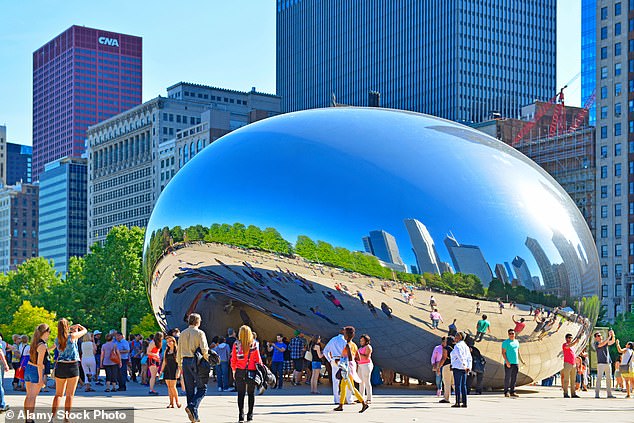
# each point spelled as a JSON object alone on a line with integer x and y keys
{"x": 436, "y": 356}
{"x": 435, "y": 315}
{"x": 364, "y": 350}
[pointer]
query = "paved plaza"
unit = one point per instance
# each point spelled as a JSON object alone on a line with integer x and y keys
{"x": 390, "y": 404}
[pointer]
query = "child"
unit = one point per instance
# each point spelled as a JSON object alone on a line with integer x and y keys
{"x": 618, "y": 376}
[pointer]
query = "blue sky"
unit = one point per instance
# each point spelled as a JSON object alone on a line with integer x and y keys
{"x": 229, "y": 44}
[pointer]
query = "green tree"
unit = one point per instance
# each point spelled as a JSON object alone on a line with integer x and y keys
{"x": 113, "y": 279}
{"x": 146, "y": 326}
{"x": 27, "y": 317}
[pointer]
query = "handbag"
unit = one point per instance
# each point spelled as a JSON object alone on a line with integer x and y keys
{"x": 114, "y": 357}
{"x": 19, "y": 373}
{"x": 308, "y": 356}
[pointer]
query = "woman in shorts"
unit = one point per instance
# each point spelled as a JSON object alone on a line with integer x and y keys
{"x": 34, "y": 371}
{"x": 67, "y": 365}
{"x": 315, "y": 349}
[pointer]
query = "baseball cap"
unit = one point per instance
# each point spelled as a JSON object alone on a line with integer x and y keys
{"x": 96, "y": 332}
{"x": 297, "y": 332}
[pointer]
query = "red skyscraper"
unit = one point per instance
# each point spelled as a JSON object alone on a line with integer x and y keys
{"x": 81, "y": 77}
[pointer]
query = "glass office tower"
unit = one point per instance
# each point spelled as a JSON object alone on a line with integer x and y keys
{"x": 81, "y": 77}
{"x": 588, "y": 53}
{"x": 464, "y": 60}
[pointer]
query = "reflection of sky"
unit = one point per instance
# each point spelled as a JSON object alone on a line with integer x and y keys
{"x": 335, "y": 175}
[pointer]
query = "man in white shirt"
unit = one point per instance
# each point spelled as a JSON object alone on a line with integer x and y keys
{"x": 461, "y": 363}
{"x": 332, "y": 352}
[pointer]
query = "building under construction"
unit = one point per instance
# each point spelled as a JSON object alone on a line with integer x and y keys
{"x": 561, "y": 142}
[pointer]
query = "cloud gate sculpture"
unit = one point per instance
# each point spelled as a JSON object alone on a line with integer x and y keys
{"x": 288, "y": 222}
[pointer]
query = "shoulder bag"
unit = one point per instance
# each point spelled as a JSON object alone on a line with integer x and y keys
{"x": 114, "y": 357}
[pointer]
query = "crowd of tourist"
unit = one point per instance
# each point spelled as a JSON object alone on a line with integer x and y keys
{"x": 76, "y": 358}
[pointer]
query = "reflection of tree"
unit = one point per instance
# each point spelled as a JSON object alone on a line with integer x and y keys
{"x": 521, "y": 294}
{"x": 321, "y": 252}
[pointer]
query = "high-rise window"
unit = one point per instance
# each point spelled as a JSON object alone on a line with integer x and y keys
{"x": 604, "y": 13}
{"x": 617, "y": 9}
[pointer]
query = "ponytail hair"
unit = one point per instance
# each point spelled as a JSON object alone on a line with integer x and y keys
{"x": 63, "y": 330}
{"x": 40, "y": 330}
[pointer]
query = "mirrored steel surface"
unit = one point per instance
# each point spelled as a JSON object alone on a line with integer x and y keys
{"x": 351, "y": 190}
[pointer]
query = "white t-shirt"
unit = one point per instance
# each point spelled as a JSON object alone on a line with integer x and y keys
{"x": 627, "y": 359}
{"x": 87, "y": 350}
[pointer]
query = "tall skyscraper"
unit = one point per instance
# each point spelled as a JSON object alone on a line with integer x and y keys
{"x": 589, "y": 53}
{"x": 18, "y": 225}
{"x": 63, "y": 208}
{"x": 441, "y": 58}
{"x": 468, "y": 259}
{"x": 383, "y": 246}
{"x": 81, "y": 77}
{"x": 523, "y": 273}
{"x": 501, "y": 274}
{"x": 423, "y": 245}
{"x": 615, "y": 144}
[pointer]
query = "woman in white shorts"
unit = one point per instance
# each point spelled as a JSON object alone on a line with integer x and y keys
{"x": 88, "y": 362}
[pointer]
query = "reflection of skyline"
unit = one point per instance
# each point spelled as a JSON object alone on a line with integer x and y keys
{"x": 485, "y": 193}
{"x": 523, "y": 273}
{"x": 500, "y": 273}
{"x": 423, "y": 247}
{"x": 468, "y": 259}
{"x": 382, "y": 245}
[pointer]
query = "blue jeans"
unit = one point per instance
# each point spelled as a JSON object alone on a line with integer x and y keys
{"x": 222, "y": 374}
{"x": 460, "y": 381}
{"x": 2, "y": 403}
{"x": 195, "y": 389}
{"x": 123, "y": 373}
{"x": 277, "y": 368}
{"x": 438, "y": 380}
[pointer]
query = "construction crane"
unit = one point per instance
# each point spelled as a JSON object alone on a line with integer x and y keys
{"x": 558, "y": 122}
{"x": 581, "y": 116}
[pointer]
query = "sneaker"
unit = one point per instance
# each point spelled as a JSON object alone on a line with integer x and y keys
{"x": 514, "y": 395}
{"x": 566, "y": 395}
{"x": 455, "y": 406}
{"x": 444, "y": 401}
{"x": 230, "y": 389}
{"x": 596, "y": 396}
{"x": 364, "y": 407}
{"x": 611, "y": 396}
{"x": 575, "y": 396}
{"x": 190, "y": 414}
{"x": 339, "y": 408}
{"x": 506, "y": 394}
{"x": 220, "y": 389}
{"x": 464, "y": 405}
{"x": 4, "y": 409}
